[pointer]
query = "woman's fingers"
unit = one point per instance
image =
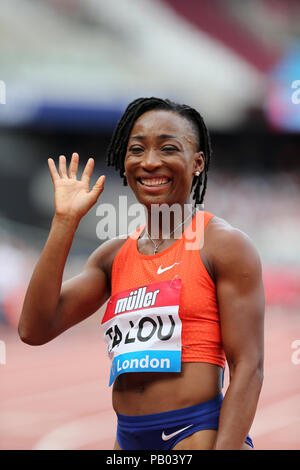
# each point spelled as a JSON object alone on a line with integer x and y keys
{"x": 52, "y": 169}
{"x": 98, "y": 187}
{"x": 62, "y": 166}
{"x": 87, "y": 172}
{"x": 74, "y": 166}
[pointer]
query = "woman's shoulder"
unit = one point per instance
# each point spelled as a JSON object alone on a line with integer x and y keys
{"x": 104, "y": 255}
{"x": 226, "y": 244}
{"x": 217, "y": 226}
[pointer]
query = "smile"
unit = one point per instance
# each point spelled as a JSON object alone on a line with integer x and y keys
{"x": 154, "y": 182}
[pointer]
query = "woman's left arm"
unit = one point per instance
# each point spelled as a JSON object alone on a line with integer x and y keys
{"x": 240, "y": 295}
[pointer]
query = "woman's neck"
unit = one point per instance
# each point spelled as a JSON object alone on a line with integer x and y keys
{"x": 166, "y": 222}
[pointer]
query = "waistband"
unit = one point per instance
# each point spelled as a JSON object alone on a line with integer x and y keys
{"x": 173, "y": 415}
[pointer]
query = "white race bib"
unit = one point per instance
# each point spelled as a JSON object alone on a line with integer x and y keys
{"x": 142, "y": 329}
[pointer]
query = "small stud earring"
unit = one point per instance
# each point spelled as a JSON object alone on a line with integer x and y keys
{"x": 197, "y": 173}
{"x": 124, "y": 174}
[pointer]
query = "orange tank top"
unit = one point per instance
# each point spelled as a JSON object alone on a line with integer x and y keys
{"x": 198, "y": 307}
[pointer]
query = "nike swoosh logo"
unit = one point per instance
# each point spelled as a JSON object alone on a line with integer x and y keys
{"x": 162, "y": 270}
{"x": 169, "y": 436}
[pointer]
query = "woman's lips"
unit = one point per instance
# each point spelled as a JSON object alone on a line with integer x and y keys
{"x": 154, "y": 183}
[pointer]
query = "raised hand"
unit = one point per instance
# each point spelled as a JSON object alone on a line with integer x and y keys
{"x": 73, "y": 197}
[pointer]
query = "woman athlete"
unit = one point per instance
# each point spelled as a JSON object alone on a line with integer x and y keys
{"x": 175, "y": 312}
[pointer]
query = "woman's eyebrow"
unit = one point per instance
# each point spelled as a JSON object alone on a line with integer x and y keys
{"x": 162, "y": 136}
{"x": 168, "y": 136}
{"x": 141, "y": 137}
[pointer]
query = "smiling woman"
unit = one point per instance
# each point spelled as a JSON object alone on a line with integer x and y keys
{"x": 188, "y": 128}
{"x": 177, "y": 311}
{"x": 160, "y": 167}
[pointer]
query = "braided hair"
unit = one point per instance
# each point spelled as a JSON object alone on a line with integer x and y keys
{"x": 118, "y": 145}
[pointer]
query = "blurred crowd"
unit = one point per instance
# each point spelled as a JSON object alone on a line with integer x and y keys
{"x": 265, "y": 206}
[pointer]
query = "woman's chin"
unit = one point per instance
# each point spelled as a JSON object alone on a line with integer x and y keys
{"x": 151, "y": 200}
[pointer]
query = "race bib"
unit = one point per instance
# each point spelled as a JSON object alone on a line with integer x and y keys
{"x": 142, "y": 329}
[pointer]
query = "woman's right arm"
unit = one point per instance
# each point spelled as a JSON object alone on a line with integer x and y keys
{"x": 51, "y": 307}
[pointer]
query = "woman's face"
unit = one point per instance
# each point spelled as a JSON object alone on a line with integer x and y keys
{"x": 162, "y": 158}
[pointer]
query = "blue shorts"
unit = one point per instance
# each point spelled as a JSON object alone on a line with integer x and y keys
{"x": 162, "y": 431}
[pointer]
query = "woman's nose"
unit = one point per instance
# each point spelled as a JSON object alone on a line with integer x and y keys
{"x": 151, "y": 160}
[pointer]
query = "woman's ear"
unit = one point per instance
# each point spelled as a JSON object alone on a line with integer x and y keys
{"x": 199, "y": 162}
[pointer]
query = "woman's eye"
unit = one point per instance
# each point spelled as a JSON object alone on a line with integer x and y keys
{"x": 136, "y": 149}
{"x": 167, "y": 148}
{"x": 170, "y": 148}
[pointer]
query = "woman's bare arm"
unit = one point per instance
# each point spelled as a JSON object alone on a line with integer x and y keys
{"x": 240, "y": 296}
{"x": 50, "y": 308}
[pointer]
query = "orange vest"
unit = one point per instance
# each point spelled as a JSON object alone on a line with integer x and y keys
{"x": 198, "y": 306}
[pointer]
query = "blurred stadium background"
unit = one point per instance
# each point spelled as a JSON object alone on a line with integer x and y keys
{"x": 68, "y": 68}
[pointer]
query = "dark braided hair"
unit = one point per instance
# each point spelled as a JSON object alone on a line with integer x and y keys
{"x": 118, "y": 146}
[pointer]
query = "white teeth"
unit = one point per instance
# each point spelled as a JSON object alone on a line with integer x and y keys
{"x": 154, "y": 181}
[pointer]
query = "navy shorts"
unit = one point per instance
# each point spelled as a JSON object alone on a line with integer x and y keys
{"x": 162, "y": 431}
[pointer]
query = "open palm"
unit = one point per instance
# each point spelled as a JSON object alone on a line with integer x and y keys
{"x": 73, "y": 197}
